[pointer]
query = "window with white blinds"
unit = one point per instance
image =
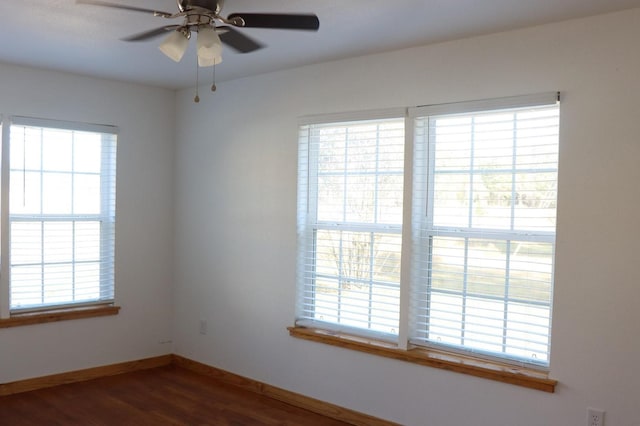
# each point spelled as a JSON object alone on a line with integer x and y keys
{"x": 479, "y": 236}
{"x": 484, "y": 220}
{"x": 61, "y": 213}
{"x": 350, "y": 225}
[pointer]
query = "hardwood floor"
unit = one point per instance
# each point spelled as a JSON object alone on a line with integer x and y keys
{"x": 160, "y": 396}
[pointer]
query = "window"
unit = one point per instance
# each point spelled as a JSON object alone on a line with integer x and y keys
{"x": 484, "y": 219}
{"x": 479, "y": 240}
{"x": 59, "y": 213}
{"x": 350, "y": 218}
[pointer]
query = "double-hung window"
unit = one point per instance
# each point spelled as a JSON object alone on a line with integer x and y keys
{"x": 58, "y": 215}
{"x": 350, "y": 224}
{"x": 479, "y": 231}
{"x": 484, "y": 220}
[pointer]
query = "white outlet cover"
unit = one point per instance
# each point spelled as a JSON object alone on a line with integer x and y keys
{"x": 595, "y": 417}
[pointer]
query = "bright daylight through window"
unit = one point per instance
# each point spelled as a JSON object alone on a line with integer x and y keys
{"x": 350, "y": 220}
{"x": 479, "y": 248}
{"x": 61, "y": 214}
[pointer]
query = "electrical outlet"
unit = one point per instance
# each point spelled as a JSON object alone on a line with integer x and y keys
{"x": 203, "y": 326}
{"x": 595, "y": 417}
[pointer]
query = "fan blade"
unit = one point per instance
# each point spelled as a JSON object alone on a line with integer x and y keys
{"x": 125, "y": 7}
{"x": 278, "y": 21}
{"x": 238, "y": 41}
{"x": 151, "y": 33}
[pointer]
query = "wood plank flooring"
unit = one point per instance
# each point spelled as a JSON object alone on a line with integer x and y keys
{"x": 160, "y": 396}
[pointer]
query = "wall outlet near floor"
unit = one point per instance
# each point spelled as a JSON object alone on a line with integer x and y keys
{"x": 203, "y": 326}
{"x": 595, "y": 417}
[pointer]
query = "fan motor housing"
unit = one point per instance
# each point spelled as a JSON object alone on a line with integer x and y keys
{"x": 214, "y": 6}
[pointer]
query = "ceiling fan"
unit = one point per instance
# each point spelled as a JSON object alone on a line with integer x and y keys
{"x": 204, "y": 18}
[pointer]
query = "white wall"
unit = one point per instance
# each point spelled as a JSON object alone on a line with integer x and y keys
{"x": 144, "y": 246}
{"x": 236, "y": 235}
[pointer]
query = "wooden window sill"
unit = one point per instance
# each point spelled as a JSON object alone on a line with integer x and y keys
{"x": 493, "y": 370}
{"x": 55, "y": 315}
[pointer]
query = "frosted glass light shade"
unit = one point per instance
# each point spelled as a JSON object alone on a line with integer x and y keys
{"x": 209, "y": 62}
{"x": 174, "y": 45}
{"x": 209, "y": 47}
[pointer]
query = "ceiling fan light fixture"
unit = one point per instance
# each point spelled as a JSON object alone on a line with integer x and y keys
{"x": 209, "y": 46}
{"x": 209, "y": 62}
{"x": 174, "y": 45}
{"x": 200, "y": 16}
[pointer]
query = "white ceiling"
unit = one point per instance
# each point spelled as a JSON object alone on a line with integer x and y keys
{"x": 85, "y": 39}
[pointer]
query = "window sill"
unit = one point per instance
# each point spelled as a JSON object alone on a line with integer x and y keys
{"x": 501, "y": 372}
{"x": 55, "y": 315}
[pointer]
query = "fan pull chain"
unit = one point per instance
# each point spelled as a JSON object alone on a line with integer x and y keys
{"x": 213, "y": 83}
{"x": 24, "y": 164}
{"x": 197, "y": 98}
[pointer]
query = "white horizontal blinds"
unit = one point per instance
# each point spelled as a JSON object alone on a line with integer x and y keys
{"x": 350, "y": 225}
{"x": 485, "y": 218}
{"x": 61, "y": 214}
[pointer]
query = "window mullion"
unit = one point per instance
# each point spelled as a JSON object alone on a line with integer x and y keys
{"x": 345, "y": 175}
{"x": 465, "y": 288}
{"x": 376, "y": 201}
{"x": 465, "y": 283}
{"x": 370, "y": 283}
{"x": 345, "y": 180}
{"x": 514, "y": 147}
{"x": 341, "y": 281}
{"x": 74, "y": 288}
{"x": 507, "y": 272}
{"x": 472, "y": 150}
{"x": 406, "y": 282}
{"x": 507, "y": 275}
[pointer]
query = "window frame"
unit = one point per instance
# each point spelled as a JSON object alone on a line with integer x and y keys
{"x": 424, "y": 223}
{"x": 403, "y": 348}
{"x": 307, "y": 210}
{"x": 47, "y": 312}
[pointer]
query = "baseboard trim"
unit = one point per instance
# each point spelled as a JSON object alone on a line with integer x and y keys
{"x": 314, "y": 405}
{"x": 83, "y": 375}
